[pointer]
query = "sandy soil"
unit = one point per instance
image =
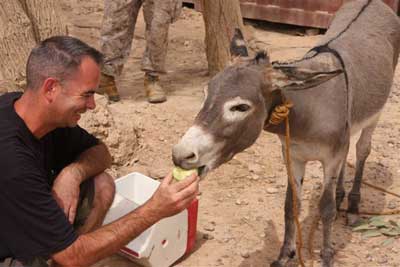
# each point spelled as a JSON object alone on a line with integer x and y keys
{"x": 240, "y": 220}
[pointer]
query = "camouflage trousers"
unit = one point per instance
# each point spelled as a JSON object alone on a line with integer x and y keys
{"x": 119, "y": 26}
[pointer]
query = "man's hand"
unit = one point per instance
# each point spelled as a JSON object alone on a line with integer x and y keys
{"x": 66, "y": 186}
{"x": 171, "y": 198}
{"x": 66, "y": 191}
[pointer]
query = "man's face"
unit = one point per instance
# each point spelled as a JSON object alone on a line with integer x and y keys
{"x": 76, "y": 95}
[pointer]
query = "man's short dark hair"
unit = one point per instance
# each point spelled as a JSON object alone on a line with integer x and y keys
{"x": 57, "y": 57}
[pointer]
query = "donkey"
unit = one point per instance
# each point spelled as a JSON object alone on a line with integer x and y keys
{"x": 338, "y": 89}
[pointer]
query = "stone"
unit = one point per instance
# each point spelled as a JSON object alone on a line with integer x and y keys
{"x": 272, "y": 190}
{"x": 245, "y": 254}
{"x": 392, "y": 204}
{"x": 255, "y": 168}
{"x": 208, "y": 236}
{"x": 210, "y": 227}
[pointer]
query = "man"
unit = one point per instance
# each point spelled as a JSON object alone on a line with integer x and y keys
{"x": 117, "y": 36}
{"x": 54, "y": 191}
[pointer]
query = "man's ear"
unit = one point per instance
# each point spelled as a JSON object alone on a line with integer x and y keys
{"x": 287, "y": 77}
{"x": 49, "y": 88}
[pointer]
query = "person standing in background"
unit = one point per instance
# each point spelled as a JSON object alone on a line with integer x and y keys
{"x": 116, "y": 40}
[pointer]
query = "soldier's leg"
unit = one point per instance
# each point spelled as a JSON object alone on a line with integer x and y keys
{"x": 158, "y": 16}
{"x": 117, "y": 32}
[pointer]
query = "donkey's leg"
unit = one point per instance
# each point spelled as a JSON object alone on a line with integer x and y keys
{"x": 340, "y": 191}
{"x": 363, "y": 149}
{"x": 327, "y": 206}
{"x": 288, "y": 249}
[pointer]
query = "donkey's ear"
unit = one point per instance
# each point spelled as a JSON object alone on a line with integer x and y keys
{"x": 261, "y": 58}
{"x": 238, "y": 45}
{"x": 287, "y": 77}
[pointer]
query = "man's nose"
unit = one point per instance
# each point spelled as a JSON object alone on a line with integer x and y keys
{"x": 91, "y": 103}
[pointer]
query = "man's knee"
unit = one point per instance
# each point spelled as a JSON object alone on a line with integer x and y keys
{"x": 104, "y": 188}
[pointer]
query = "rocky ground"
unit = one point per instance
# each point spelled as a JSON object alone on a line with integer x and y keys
{"x": 240, "y": 220}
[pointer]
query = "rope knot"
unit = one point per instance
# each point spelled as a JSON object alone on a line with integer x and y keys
{"x": 280, "y": 113}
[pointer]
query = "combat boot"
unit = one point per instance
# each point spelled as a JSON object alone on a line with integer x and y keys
{"x": 154, "y": 92}
{"x": 108, "y": 86}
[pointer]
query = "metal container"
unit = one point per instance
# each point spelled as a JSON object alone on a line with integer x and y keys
{"x": 310, "y": 13}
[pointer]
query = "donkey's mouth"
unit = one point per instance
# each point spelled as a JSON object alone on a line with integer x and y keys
{"x": 202, "y": 170}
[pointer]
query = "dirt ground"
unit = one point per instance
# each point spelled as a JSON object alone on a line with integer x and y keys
{"x": 240, "y": 220}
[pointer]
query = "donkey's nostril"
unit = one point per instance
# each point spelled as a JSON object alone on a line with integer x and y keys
{"x": 184, "y": 157}
{"x": 191, "y": 156}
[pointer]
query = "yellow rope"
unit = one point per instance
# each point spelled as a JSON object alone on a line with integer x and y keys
{"x": 294, "y": 194}
{"x": 281, "y": 113}
{"x": 381, "y": 189}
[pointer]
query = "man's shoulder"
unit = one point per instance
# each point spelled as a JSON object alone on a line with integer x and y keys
{"x": 14, "y": 157}
{"x": 14, "y": 142}
{"x": 8, "y": 99}
{"x": 7, "y": 112}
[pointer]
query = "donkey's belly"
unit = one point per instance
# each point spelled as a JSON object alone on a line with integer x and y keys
{"x": 308, "y": 151}
{"x": 358, "y": 126}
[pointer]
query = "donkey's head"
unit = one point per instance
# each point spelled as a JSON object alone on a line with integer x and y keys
{"x": 237, "y": 104}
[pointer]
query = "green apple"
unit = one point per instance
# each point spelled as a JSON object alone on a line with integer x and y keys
{"x": 180, "y": 174}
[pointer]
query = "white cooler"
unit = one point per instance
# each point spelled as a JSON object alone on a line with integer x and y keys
{"x": 166, "y": 241}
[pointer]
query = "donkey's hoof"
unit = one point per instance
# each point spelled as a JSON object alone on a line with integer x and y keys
{"x": 289, "y": 261}
{"x": 352, "y": 219}
{"x": 276, "y": 263}
{"x": 327, "y": 255}
{"x": 327, "y": 264}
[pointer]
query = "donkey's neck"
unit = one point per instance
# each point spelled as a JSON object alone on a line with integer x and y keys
{"x": 276, "y": 100}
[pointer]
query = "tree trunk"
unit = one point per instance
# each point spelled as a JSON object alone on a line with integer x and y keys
{"x": 23, "y": 24}
{"x": 221, "y": 17}
{"x": 46, "y": 18}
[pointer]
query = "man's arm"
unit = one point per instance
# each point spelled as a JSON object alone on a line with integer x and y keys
{"x": 91, "y": 162}
{"x": 169, "y": 199}
{"x": 65, "y": 190}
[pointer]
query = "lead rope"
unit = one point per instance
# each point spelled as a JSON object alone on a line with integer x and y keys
{"x": 280, "y": 113}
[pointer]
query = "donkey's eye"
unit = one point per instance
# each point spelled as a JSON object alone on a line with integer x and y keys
{"x": 240, "y": 108}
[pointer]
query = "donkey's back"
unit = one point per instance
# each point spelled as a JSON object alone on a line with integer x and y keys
{"x": 363, "y": 41}
{"x": 366, "y": 37}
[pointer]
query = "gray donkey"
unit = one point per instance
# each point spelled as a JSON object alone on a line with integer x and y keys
{"x": 338, "y": 89}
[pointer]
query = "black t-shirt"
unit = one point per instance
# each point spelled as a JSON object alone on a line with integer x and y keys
{"x": 31, "y": 222}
